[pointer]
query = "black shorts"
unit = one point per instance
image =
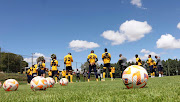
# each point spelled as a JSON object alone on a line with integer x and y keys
{"x": 160, "y": 68}
{"x": 68, "y": 68}
{"x": 54, "y": 73}
{"x": 107, "y": 65}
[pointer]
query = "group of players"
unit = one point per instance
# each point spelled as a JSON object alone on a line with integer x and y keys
{"x": 39, "y": 69}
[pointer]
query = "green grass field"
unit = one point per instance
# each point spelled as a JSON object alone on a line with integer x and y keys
{"x": 166, "y": 89}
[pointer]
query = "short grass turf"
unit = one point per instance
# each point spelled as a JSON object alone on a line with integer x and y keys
{"x": 166, "y": 89}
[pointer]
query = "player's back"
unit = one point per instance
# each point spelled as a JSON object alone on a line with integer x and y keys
{"x": 92, "y": 57}
{"x": 106, "y": 57}
{"x": 68, "y": 59}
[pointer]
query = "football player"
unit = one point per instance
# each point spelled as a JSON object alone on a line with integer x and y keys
{"x": 34, "y": 71}
{"x": 92, "y": 59}
{"x": 154, "y": 68}
{"x": 42, "y": 67}
{"x": 150, "y": 62}
{"x": 138, "y": 60}
{"x": 68, "y": 62}
{"x": 106, "y": 57}
{"x": 29, "y": 75}
{"x": 112, "y": 73}
{"x": 63, "y": 73}
{"x": 54, "y": 64}
{"x": 159, "y": 66}
{"x": 122, "y": 62}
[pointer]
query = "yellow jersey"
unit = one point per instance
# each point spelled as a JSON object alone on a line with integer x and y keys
{"x": 29, "y": 71}
{"x": 54, "y": 64}
{"x": 154, "y": 65}
{"x": 150, "y": 61}
{"x": 138, "y": 61}
{"x": 113, "y": 69}
{"x": 106, "y": 57}
{"x": 43, "y": 66}
{"x": 68, "y": 59}
{"x": 50, "y": 73}
{"x": 92, "y": 57}
{"x": 34, "y": 70}
{"x": 63, "y": 73}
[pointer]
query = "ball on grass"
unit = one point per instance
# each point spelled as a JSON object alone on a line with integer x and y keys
{"x": 135, "y": 77}
{"x": 38, "y": 83}
{"x": 63, "y": 82}
{"x": 50, "y": 82}
{"x": 10, "y": 85}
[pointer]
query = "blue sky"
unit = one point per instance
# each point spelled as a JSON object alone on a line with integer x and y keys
{"x": 46, "y": 27}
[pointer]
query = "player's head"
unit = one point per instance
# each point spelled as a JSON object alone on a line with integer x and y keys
{"x": 120, "y": 55}
{"x": 92, "y": 51}
{"x": 69, "y": 53}
{"x": 105, "y": 50}
{"x": 53, "y": 56}
{"x": 32, "y": 65}
{"x": 149, "y": 56}
{"x": 136, "y": 55}
{"x": 77, "y": 69}
{"x": 63, "y": 69}
{"x": 156, "y": 57}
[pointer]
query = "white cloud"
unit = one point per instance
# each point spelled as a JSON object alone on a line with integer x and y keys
{"x": 144, "y": 55}
{"x": 130, "y": 30}
{"x": 168, "y": 42}
{"x": 178, "y": 25}
{"x": 80, "y": 45}
{"x": 138, "y": 3}
{"x": 145, "y": 51}
{"x": 35, "y": 56}
{"x": 113, "y": 36}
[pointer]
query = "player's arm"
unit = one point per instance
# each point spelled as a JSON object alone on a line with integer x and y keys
{"x": 65, "y": 60}
{"x": 103, "y": 56}
{"x": 71, "y": 59}
{"x": 88, "y": 59}
{"x": 110, "y": 56}
{"x": 96, "y": 59}
{"x": 57, "y": 63}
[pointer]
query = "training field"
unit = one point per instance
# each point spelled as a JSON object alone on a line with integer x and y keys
{"x": 166, "y": 89}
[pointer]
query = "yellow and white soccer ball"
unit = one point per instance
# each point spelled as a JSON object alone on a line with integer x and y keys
{"x": 38, "y": 83}
{"x": 10, "y": 85}
{"x": 50, "y": 82}
{"x": 135, "y": 77}
{"x": 63, "y": 82}
{"x": 0, "y": 84}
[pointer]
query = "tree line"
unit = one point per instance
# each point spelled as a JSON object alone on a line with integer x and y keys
{"x": 10, "y": 62}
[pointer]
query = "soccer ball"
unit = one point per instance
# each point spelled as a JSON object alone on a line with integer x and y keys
{"x": 10, "y": 85}
{"x": 38, "y": 83}
{"x": 50, "y": 82}
{"x": 0, "y": 84}
{"x": 63, "y": 82}
{"x": 135, "y": 77}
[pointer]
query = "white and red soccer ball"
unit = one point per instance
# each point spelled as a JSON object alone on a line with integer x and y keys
{"x": 135, "y": 77}
{"x": 38, "y": 83}
{"x": 63, "y": 82}
{"x": 10, "y": 85}
{"x": 50, "y": 82}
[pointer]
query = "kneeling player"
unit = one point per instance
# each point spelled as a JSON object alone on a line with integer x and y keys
{"x": 68, "y": 62}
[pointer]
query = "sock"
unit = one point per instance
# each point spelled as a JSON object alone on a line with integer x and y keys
{"x": 66, "y": 76}
{"x": 111, "y": 74}
{"x": 104, "y": 74}
{"x": 56, "y": 79}
{"x": 96, "y": 79}
{"x": 71, "y": 77}
{"x": 153, "y": 74}
{"x": 88, "y": 80}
